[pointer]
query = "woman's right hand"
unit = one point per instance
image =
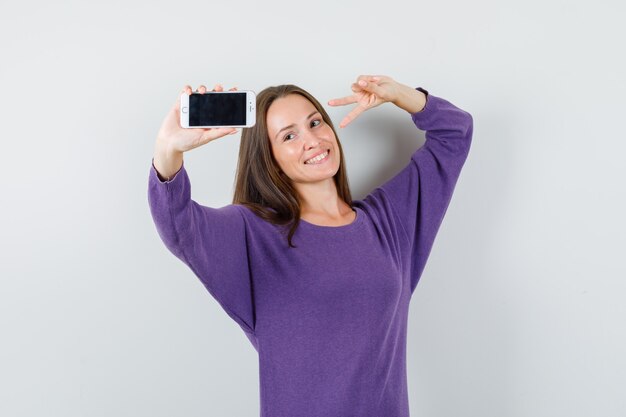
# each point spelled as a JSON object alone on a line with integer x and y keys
{"x": 174, "y": 138}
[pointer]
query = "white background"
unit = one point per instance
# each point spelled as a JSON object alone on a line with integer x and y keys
{"x": 520, "y": 310}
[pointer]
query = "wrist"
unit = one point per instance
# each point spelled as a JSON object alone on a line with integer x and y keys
{"x": 164, "y": 148}
{"x": 167, "y": 162}
{"x": 410, "y": 99}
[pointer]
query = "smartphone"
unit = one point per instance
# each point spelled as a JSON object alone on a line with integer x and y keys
{"x": 218, "y": 109}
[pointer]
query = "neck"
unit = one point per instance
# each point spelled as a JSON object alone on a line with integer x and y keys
{"x": 321, "y": 200}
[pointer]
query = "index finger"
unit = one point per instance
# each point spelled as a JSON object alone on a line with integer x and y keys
{"x": 351, "y": 116}
{"x": 343, "y": 101}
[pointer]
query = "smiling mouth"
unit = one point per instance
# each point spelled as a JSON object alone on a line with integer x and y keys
{"x": 319, "y": 161}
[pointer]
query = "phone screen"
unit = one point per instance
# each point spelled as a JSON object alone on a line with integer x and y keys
{"x": 217, "y": 109}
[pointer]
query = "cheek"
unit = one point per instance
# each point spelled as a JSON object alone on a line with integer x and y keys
{"x": 288, "y": 154}
{"x": 330, "y": 134}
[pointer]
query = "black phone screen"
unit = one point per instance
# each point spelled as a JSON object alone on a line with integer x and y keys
{"x": 217, "y": 109}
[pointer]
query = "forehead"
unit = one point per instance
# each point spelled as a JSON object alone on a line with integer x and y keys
{"x": 284, "y": 111}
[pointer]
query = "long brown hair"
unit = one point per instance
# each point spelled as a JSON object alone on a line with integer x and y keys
{"x": 260, "y": 184}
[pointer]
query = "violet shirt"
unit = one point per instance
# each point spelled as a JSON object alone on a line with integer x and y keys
{"x": 328, "y": 319}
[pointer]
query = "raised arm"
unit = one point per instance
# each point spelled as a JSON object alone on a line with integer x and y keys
{"x": 210, "y": 241}
{"x": 420, "y": 194}
{"x": 416, "y": 198}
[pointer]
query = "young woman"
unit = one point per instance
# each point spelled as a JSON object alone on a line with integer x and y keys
{"x": 319, "y": 283}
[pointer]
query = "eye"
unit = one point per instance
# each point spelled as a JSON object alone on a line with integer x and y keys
{"x": 319, "y": 122}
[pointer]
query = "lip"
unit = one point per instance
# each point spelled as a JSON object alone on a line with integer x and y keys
{"x": 317, "y": 154}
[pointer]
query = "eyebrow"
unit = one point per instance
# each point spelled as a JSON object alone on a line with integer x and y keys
{"x": 293, "y": 124}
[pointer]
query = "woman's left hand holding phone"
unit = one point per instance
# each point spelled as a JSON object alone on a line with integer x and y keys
{"x": 173, "y": 140}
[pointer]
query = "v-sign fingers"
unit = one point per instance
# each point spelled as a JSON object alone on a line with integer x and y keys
{"x": 351, "y": 116}
{"x": 343, "y": 101}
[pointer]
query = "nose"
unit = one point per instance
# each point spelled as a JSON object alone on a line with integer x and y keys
{"x": 311, "y": 140}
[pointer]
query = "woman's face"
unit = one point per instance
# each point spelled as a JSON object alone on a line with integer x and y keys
{"x": 298, "y": 133}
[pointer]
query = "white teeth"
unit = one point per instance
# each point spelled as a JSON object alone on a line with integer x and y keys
{"x": 317, "y": 158}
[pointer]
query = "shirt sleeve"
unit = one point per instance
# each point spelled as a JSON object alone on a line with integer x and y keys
{"x": 210, "y": 241}
{"x": 420, "y": 194}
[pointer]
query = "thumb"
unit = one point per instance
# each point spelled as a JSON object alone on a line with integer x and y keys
{"x": 186, "y": 89}
{"x": 371, "y": 87}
